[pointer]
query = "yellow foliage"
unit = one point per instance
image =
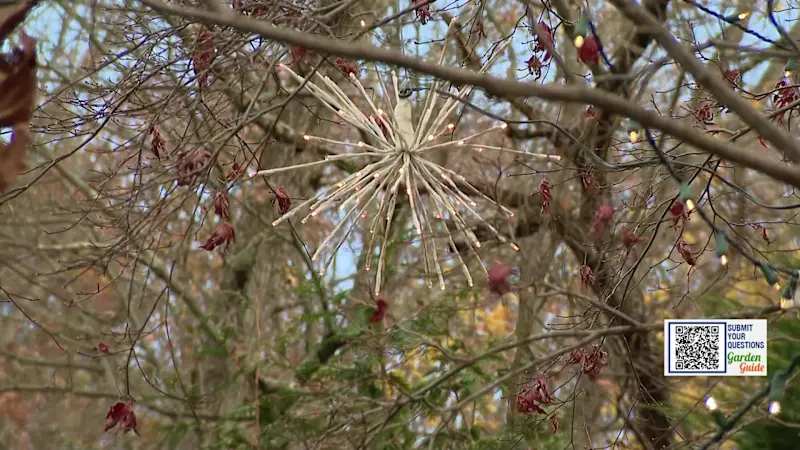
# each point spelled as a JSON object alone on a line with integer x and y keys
{"x": 496, "y": 321}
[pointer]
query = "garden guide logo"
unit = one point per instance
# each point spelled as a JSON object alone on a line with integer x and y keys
{"x": 721, "y": 347}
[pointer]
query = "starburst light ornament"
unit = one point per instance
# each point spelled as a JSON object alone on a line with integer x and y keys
{"x": 436, "y": 195}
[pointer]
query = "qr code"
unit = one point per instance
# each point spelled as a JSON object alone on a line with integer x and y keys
{"x": 697, "y": 348}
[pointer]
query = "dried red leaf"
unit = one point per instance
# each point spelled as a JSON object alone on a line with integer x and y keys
{"x": 122, "y": 414}
{"x": 679, "y": 214}
{"x": 554, "y": 422}
{"x": 629, "y": 239}
{"x": 686, "y": 252}
{"x": 203, "y": 55}
{"x": 282, "y": 197}
{"x": 534, "y": 66}
{"x": 587, "y": 179}
{"x": 587, "y": 276}
{"x": 763, "y": 142}
{"x": 733, "y": 77}
{"x": 703, "y": 115}
{"x": 547, "y": 196}
{"x": 224, "y": 234}
{"x": 498, "y": 279}
{"x": 590, "y": 50}
{"x": 602, "y": 216}
{"x": 221, "y": 204}
{"x": 189, "y": 164}
{"x": 595, "y": 362}
{"x": 236, "y": 172}
{"x": 101, "y": 347}
{"x": 423, "y": 12}
{"x": 17, "y": 93}
{"x": 577, "y": 356}
{"x": 546, "y": 41}
{"x": 382, "y": 306}
{"x": 346, "y": 66}
{"x": 531, "y": 399}
{"x": 591, "y": 112}
{"x": 157, "y": 143}
{"x": 298, "y": 54}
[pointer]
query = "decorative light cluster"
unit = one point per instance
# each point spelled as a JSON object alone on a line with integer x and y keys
{"x": 436, "y": 195}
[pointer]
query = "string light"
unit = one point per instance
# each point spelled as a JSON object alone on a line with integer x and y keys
{"x": 791, "y": 65}
{"x": 633, "y": 135}
{"x": 711, "y": 404}
{"x": 770, "y": 275}
{"x": 743, "y": 15}
{"x": 722, "y": 248}
{"x": 775, "y": 408}
{"x": 579, "y": 40}
{"x": 363, "y": 23}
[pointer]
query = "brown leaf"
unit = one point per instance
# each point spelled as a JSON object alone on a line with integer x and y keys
{"x": 122, "y": 414}
{"x": 12, "y": 16}
{"x": 12, "y": 156}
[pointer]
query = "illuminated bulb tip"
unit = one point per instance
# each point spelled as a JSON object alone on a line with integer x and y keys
{"x": 360, "y": 143}
{"x": 777, "y": 286}
{"x": 689, "y": 205}
{"x": 470, "y": 283}
{"x": 450, "y": 126}
{"x": 504, "y": 126}
{"x": 304, "y": 221}
{"x": 363, "y": 23}
{"x": 441, "y": 286}
{"x": 306, "y": 137}
{"x": 787, "y": 74}
{"x": 515, "y": 247}
{"x": 460, "y": 142}
{"x": 743, "y": 15}
{"x": 579, "y": 41}
{"x": 430, "y": 137}
{"x": 633, "y": 136}
{"x": 477, "y": 244}
{"x": 281, "y": 65}
{"x": 711, "y": 404}
{"x": 723, "y": 259}
{"x": 251, "y": 173}
{"x": 275, "y": 223}
{"x": 479, "y": 149}
{"x": 775, "y": 408}
{"x": 322, "y": 272}
{"x": 555, "y": 157}
{"x": 380, "y": 112}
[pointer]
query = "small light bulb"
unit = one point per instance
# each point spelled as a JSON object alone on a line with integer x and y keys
{"x": 777, "y": 287}
{"x": 633, "y": 136}
{"x": 275, "y": 223}
{"x": 363, "y": 23}
{"x": 360, "y": 143}
{"x": 711, "y": 404}
{"x": 579, "y": 41}
{"x": 306, "y": 137}
{"x": 723, "y": 259}
{"x": 251, "y": 173}
{"x": 380, "y": 112}
{"x": 786, "y": 304}
{"x": 460, "y": 142}
{"x": 430, "y": 137}
{"x": 689, "y": 205}
{"x": 775, "y": 408}
{"x": 743, "y": 15}
{"x": 515, "y": 247}
{"x": 450, "y": 126}
{"x": 479, "y": 149}
{"x": 787, "y": 74}
{"x": 504, "y": 126}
